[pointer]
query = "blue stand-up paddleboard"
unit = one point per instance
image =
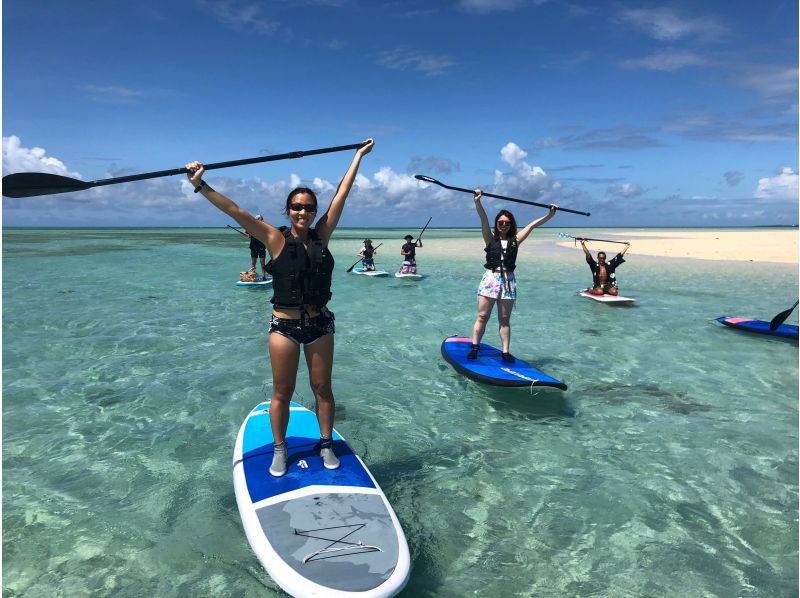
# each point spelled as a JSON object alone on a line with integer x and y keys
{"x": 317, "y": 532}
{"x": 490, "y": 368}
{"x": 365, "y": 272}
{"x": 260, "y": 282}
{"x": 760, "y": 327}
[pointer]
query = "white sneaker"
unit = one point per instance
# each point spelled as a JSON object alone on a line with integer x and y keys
{"x": 279, "y": 459}
{"x": 329, "y": 458}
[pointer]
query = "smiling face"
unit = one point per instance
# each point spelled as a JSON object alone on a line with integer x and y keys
{"x": 505, "y": 226}
{"x": 601, "y": 257}
{"x": 301, "y": 207}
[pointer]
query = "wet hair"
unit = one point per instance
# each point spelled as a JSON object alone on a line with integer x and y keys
{"x": 603, "y": 253}
{"x": 512, "y": 230}
{"x": 408, "y": 237}
{"x": 298, "y": 191}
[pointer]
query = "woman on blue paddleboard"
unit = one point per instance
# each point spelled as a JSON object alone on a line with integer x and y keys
{"x": 301, "y": 269}
{"x": 498, "y": 284}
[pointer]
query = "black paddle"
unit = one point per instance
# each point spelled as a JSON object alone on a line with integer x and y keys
{"x": 781, "y": 317}
{"x": 237, "y": 230}
{"x": 428, "y": 179}
{"x": 350, "y": 269}
{"x": 423, "y": 229}
{"x": 30, "y": 184}
{"x": 568, "y": 236}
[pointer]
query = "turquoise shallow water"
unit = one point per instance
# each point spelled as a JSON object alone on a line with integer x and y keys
{"x": 669, "y": 467}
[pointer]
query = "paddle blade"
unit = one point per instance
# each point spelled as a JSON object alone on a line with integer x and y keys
{"x": 31, "y": 184}
{"x": 781, "y": 318}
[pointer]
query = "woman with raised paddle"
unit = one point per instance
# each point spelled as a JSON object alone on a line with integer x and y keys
{"x": 498, "y": 284}
{"x": 604, "y": 277}
{"x": 301, "y": 269}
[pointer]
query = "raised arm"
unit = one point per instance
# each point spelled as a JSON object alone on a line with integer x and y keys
{"x": 270, "y": 236}
{"x": 521, "y": 236}
{"x": 627, "y": 246}
{"x": 586, "y": 251}
{"x": 327, "y": 224}
{"x": 485, "y": 228}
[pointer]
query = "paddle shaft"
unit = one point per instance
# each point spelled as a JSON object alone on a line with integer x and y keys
{"x": 522, "y": 201}
{"x": 237, "y": 230}
{"x": 230, "y": 163}
{"x": 600, "y": 240}
{"x": 424, "y": 228}
{"x": 29, "y": 184}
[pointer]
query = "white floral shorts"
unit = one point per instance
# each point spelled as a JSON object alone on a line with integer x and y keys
{"x": 493, "y": 286}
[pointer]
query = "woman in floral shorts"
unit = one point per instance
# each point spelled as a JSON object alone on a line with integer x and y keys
{"x": 498, "y": 284}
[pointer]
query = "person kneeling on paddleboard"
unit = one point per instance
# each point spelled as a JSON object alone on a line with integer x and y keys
{"x": 366, "y": 254}
{"x": 498, "y": 284}
{"x": 301, "y": 277}
{"x": 604, "y": 277}
{"x": 409, "y": 253}
{"x": 257, "y": 251}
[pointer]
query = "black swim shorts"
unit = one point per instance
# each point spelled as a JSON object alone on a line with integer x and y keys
{"x": 305, "y": 330}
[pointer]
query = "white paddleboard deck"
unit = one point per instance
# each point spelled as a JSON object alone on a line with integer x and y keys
{"x": 317, "y": 532}
{"x": 411, "y": 276}
{"x": 607, "y": 298}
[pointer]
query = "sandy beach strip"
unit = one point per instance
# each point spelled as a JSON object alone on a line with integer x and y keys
{"x": 760, "y": 244}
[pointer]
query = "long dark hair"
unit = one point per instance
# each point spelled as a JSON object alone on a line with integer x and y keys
{"x": 298, "y": 191}
{"x": 512, "y": 230}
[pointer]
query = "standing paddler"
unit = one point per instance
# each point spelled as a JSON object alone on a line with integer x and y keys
{"x": 301, "y": 269}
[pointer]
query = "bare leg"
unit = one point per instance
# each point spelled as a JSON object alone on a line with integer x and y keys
{"x": 263, "y": 268}
{"x": 504, "y": 307}
{"x": 319, "y": 358}
{"x": 485, "y": 305}
{"x": 284, "y": 355}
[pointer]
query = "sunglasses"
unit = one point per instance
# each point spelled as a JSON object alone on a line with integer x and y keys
{"x": 503, "y": 223}
{"x": 299, "y": 207}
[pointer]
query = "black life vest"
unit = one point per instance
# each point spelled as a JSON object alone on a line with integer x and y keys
{"x": 497, "y": 257}
{"x": 368, "y": 252}
{"x": 301, "y": 277}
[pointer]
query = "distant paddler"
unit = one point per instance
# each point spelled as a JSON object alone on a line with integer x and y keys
{"x": 302, "y": 268}
{"x": 604, "y": 276}
{"x": 409, "y": 252}
{"x": 498, "y": 284}
{"x": 367, "y": 255}
{"x": 257, "y": 251}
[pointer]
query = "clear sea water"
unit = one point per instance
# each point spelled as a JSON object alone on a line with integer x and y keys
{"x": 669, "y": 467}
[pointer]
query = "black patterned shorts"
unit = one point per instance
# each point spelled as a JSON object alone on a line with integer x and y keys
{"x": 305, "y": 330}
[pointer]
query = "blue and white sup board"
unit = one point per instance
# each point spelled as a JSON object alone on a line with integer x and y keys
{"x": 364, "y": 272}
{"x": 260, "y": 282}
{"x": 490, "y": 368}
{"x": 760, "y": 327}
{"x": 317, "y": 532}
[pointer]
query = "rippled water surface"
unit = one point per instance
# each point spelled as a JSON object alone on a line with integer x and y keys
{"x": 669, "y": 467}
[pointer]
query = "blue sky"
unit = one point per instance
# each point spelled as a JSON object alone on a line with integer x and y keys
{"x": 645, "y": 114}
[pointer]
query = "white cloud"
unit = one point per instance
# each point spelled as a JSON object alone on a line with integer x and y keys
{"x": 667, "y": 60}
{"x": 512, "y": 154}
{"x": 35, "y": 159}
{"x": 484, "y": 6}
{"x": 403, "y": 58}
{"x": 626, "y": 190}
{"x": 665, "y": 24}
{"x": 781, "y": 186}
{"x": 770, "y": 81}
